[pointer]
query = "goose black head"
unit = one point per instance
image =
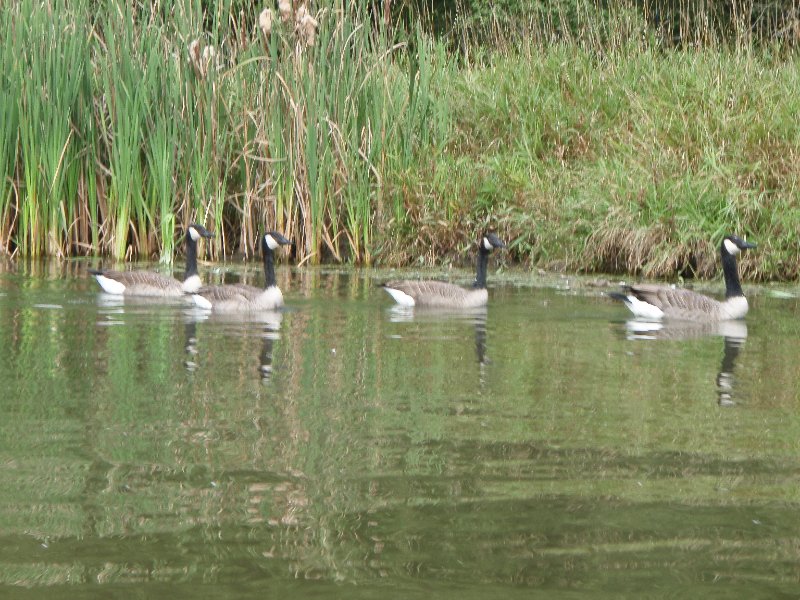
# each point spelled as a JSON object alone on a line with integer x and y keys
{"x": 489, "y": 241}
{"x": 271, "y": 240}
{"x": 195, "y": 231}
{"x": 732, "y": 245}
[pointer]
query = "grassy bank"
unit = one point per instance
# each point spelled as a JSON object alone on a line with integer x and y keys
{"x": 610, "y": 150}
{"x": 634, "y": 161}
{"x": 599, "y": 150}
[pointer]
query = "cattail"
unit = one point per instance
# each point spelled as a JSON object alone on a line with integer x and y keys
{"x": 285, "y": 9}
{"x": 305, "y": 25}
{"x": 194, "y": 51}
{"x": 201, "y": 61}
{"x": 265, "y": 21}
{"x": 308, "y": 28}
{"x": 302, "y": 11}
{"x": 195, "y": 59}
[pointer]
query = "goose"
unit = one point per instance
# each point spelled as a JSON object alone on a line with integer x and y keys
{"x": 149, "y": 283}
{"x": 246, "y": 298}
{"x": 447, "y": 295}
{"x": 656, "y": 302}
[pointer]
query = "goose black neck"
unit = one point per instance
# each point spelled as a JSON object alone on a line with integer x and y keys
{"x": 191, "y": 256}
{"x": 483, "y": 261}
{"x": 732, "y": 286}
{"x": 269, "y": 268}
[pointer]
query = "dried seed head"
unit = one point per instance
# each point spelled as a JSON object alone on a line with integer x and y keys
{"x": 301, "y": 13}
{"x": 194, "y": 51}
{"x": 201, "y": 61}
{"x": 285, "y": 9}
{"x": 308, "y": 28}
{"x": 265, "y": 21}
{"x": 195, "y": 58}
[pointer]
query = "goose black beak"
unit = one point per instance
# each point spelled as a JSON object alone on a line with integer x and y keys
{"x": 495, "y": 241}
{"x": 279, "y": 237}
{"x": 202, "y": 231}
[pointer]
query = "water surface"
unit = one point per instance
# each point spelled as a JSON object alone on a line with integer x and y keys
{"x": 544, "y": 447}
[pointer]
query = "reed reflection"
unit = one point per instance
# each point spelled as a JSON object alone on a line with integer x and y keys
{"x": 734, "y": 334}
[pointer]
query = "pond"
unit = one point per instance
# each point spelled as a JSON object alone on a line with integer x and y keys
{"x": 543, "y": 447}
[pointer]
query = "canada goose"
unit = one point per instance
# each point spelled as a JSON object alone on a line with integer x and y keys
{"x": 655, "y": 302}
{"x": 149, "y": 283}
{"x": 447, "y": 295}
{"x": 240, "y": 297}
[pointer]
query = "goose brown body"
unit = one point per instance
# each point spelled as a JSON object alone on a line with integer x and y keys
{"x": 152, "y": 284}
{"x": 241, "y": 297}
{"x": 688, "y": 305}
{"x": 142, "y": 283}
{"x": 441, "y": 294}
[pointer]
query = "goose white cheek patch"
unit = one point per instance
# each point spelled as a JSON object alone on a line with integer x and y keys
{"x": 731, "y": 248}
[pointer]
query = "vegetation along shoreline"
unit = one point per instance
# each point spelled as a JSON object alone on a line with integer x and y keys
{"x": 620, "y": 139}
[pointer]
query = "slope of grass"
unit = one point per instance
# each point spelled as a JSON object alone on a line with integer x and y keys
{"x": 635, "y": 161}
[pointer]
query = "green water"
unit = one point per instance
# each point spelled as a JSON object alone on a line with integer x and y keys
{"x": 344, "y": 448}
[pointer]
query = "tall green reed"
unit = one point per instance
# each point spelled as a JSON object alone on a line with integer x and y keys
{"x": 127, "y": 87}
{"x": 161, "y": 152}
{"x": 9, "y": 133}
{"x": 120, "y": 134}
{"x": 354, "y": 118}
{"x": 51, "y": 72}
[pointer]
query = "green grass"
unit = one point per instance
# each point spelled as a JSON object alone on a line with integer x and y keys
{"x": 638, "y": 160}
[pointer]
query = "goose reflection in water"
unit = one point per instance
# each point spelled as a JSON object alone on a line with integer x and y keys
{"x": 476, "y": 316}
{"x": 734, "y": 334}
{"x": 190, "y": 337}
{"x": 270, "y": 334}
{"x": 269, "y": 321}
